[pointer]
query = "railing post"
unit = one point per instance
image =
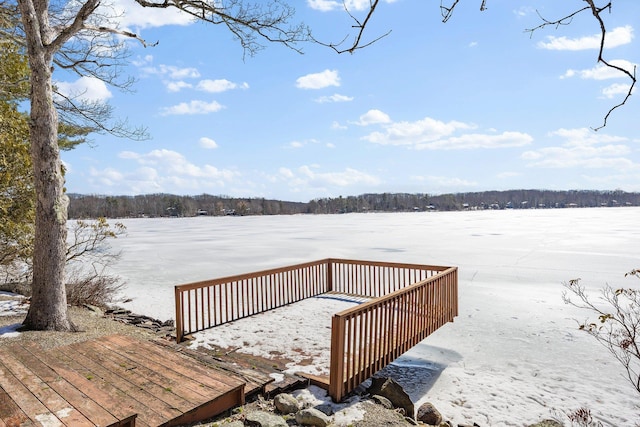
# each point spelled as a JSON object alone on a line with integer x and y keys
{"x": 178, "y": 298}
{"x": 329, "y": 275}
{"x": 336, "y": 367}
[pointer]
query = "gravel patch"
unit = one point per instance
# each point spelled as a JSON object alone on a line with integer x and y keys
{"x": 91, "y": 324}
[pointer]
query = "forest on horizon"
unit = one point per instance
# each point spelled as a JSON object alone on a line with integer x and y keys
{"x": 168, "y": 205}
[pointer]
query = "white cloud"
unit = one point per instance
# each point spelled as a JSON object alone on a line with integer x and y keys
{"x": 617, "y": 37}
{"x": 168, "y": 71}
{"x": 308, "y": 176}
{"x": 220, "y": 85}
{"x": 208, "y": 143}
{"x": 582, "y": 148}
{"x": 173, "y": 77}
{"x": 324, "y": 5}
{"x": 179, "y": 73}
{"x": 352, "y": 5}
{"x": 108, "y": 176}
{"x": 163, "y": 170}
{"x": 473, "y": 44}
{"x": 286, "y": 173}
{"x": 178, "y": 86}
{"x": 334, "y": 98}
{"x": 431, "y": 134}
{"x": 477, "y": 141}
{"x": 338, "y": 126}
{"x": 583, "y": 136}
{"x": 345, "y": 178}
{"x": 412, "y": 133}
{"x": 615, "y": 89}
{"x": 87, "y": 89}
{"x": 373, "y": 117}
{"x": 193, "y": 107}
{"x": 524, "y": 11}
{"x": 133, "y": 16}
{"x": 602, "y": 72}
{"x": 299, "y": 144}
{"x": 320, "y": 80}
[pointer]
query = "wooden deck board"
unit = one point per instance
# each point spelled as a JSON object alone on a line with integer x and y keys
{"x": 172, "y": 366}
{"x": 61, "y": 381}
{"x": 113, "y": 381}
{"x": 255, "y": 380}
{"x": 139, "y": 401}
{"x": 175, "y": 362}
{"x": 13, "y": 414}
{"x": 49, "y": 398}
{"x": 130, "y": 382}
{"x": 30, "y": 408}
{"x": 165, "y": 389}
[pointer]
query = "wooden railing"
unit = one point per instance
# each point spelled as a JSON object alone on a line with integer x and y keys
{"x": 367, "y": 337}
{"x": 409, "y": 302}
{"x": 203, "y": 305}
{"x": 376, "y": 279}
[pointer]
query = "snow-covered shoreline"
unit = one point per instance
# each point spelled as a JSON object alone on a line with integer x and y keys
{"x": 513, "y": 356}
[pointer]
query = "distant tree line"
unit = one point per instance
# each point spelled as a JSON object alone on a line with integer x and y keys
{"x": 163, "y": 205}
{"x": 167, "y": 205}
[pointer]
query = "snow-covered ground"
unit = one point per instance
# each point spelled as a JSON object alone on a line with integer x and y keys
{"x": 512, "y": 357}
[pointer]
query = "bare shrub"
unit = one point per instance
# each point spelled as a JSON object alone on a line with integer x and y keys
{"x": 617, "y": 326}
{"x": 99, "y": 289}
{"x": 89, "y": 258}
{"x": 581, "y": 417}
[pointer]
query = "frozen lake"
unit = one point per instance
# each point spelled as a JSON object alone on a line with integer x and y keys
{"x": 513, "y": 355}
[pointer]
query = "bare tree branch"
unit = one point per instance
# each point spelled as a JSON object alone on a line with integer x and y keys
{"x": 94, "y": 115}
{"x": 596, "y": 12}
{"x": 128, "y": 34}
{"x": 247, "y": 22}
{"x": 447, "y": 11}
{"x": 360, "y": 26}
{"x": 71, "y": 30}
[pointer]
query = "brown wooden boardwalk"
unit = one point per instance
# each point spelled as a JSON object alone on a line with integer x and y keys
{"x": 110, "y": 381}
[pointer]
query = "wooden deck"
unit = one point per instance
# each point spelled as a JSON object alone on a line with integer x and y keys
{"x": 111, "y": 381}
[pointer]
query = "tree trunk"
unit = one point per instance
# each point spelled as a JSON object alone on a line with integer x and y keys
{"x": 48, "y": 309}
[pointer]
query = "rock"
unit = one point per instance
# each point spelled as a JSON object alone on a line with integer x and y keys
{"x": 153, "y": 325}
{"x": 264, "y": 419}
{"x": 380, "y": 400}
{"x": 234, "y": 424}
{"x": 389, "y": 388}
{"x": 326, "y": 409}
{"x": 286, "y": 403}
{"x": 428, "y": 414}
{"x": 547, "y": 423}
{"x": 312, "y": 417}
{"x": 95, "y": 310}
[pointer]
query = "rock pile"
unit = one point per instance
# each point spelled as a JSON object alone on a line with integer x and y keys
{"x": 164, "y": 329}
{"x": 285, "y": 410}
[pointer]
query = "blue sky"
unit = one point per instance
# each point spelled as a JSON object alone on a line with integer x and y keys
{"x": 469, "y": 105}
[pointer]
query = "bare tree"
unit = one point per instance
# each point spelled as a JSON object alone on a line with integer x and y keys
{"x": 617, "y": 326}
